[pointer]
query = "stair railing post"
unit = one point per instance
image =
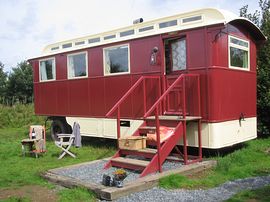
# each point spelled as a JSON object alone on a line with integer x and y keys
{"x": 144, "y": 98}
{"x": 184, "y": 123}
{"x": 158, "y": 138}
{"x": 199, "y": 122}
{"x": 118, "y": 126}
{"x": 159, "y": 94}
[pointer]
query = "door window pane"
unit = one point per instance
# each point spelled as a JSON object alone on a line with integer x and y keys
{"x": 179, "y": 59}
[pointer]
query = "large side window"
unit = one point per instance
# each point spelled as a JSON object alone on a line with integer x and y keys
{"x": 116, "y": 60}
{"x": 47, "y": 69}
{"x": 238, "y": 53}
{"x": 77, "y": 65}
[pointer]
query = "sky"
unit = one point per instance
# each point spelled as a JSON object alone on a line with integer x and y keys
{"x": 27, "y": 26}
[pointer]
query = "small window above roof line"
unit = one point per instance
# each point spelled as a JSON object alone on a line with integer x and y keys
{"x": 79, "y": 43}
{"x": 127, "y": 33}
{"x": 67, "y": 45}
{"x": 144, "y": 29}
{"x": 94, "y": 40}
{"x": 109, "y": 37}
{"x": 55, "y": 48}
{"x": 167, "y": 24}
{"x": 192, "y": 19}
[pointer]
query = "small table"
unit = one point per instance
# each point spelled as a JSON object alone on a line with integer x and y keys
{"x": 30, "y": 143}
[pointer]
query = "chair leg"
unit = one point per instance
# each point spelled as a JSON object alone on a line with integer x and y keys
{"x": 66, "y": 151}
{"x": 23, "y": 150}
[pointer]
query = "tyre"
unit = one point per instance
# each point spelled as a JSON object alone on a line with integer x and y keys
{"x": 59, "y": 126}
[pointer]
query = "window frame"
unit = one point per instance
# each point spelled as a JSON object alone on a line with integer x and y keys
{"x": 86, "y": 64}
{"x": 54, "y": 69}
{"x": 238, "y": 47}
{"x": 104, "y": 60}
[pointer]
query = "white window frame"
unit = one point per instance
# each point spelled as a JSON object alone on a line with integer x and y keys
{"x": 54, "y": 69}
{"x": 104, "y": 60}
{"x": 241, "y": 48}
{"x": 86, "y": 64}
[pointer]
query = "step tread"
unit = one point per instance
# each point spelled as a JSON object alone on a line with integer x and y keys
{"x": 146, "y": 150}
{"x": 148, "y": 127}
{"x": 131, "y": 161}
{"x": 175, "y": 118}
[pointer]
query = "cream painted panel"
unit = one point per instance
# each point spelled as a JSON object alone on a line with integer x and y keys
{"x": 103, "y": 127}
{"x": 230, "y": 132}
{"x": 223, "y": 134}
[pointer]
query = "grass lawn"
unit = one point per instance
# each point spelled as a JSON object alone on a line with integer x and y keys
{"x": 251, "y": 160}
{"x": 17, "y": 171}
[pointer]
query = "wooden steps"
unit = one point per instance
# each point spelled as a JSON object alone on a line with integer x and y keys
{"x": 147, "y": 129}
{"x": 146, "y": 153}
{"x": 129, "y": 163}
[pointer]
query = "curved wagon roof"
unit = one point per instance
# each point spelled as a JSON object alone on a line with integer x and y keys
{"x": 183, "y": 21}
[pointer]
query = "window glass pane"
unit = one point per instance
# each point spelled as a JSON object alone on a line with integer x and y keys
{"x": 94, "y": 40}
{"x": 146, "y": 29}
{"x": 168, "y": 24}
{"x": 126, "y": 33}
{"x": 239, "y": 42}
{"x": 47, "y": 70}
{"x": 79, "y": 43}
{"x": 179, "y": 58}
{"x": 116, "y": 60}
{"x": 192, "y": 19}
{"x": 77, "y": 65}
{"x": 109, "y": 37}
{"x": 239, "y": 57}
{"x": 67, "y": 45}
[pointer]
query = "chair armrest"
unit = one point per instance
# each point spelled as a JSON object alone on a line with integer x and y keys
{"x": 63, "y": 135}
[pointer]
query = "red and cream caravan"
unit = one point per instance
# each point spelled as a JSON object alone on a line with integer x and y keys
{"x": 195, "y": 67}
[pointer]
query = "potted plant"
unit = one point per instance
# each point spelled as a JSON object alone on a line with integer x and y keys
{"x": 118, "y": 176}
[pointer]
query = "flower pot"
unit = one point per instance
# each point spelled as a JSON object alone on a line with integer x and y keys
{"x": 118, "y": 183}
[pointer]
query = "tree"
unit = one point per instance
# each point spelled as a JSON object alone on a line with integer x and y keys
{"x": 20, "y": 83}
{"x": 3, "y": 81}
{"x": 262, "y": 19}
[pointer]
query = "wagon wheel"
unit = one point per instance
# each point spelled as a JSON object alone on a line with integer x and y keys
{"x": 58, "y": 127}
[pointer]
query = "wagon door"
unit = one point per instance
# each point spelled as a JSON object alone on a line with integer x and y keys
{"x": 175, "y": 64}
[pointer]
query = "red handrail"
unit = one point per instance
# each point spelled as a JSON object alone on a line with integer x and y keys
{"x": 135, "y": 85}
{"x": 156, "y": 114}
{"x": 167, "y": 92}
{"x": 118, "y": 104}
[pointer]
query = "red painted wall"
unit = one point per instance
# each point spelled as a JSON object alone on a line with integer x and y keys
{"x": 225, "y": 92}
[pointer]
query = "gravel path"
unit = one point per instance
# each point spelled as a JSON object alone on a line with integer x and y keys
{"x": 221, "y": 193}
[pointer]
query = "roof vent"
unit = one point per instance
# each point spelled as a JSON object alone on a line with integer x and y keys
{"x": 137, "y": 21}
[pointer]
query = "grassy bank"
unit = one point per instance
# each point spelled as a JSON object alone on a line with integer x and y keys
{"x": 262, "y": 195}
{"x": 252, "y": 160}
{"x": 18, "y": 116}
{"x": 16, "y": 171}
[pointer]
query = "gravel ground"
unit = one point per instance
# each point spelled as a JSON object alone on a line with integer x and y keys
{"x": 93, "y": 172}
{"x": 221, "y": 193}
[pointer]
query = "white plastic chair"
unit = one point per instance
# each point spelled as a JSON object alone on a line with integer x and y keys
{"x": 67, "y": 140}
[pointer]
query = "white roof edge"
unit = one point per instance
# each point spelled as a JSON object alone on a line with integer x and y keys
{"x": 210, "y": 16}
